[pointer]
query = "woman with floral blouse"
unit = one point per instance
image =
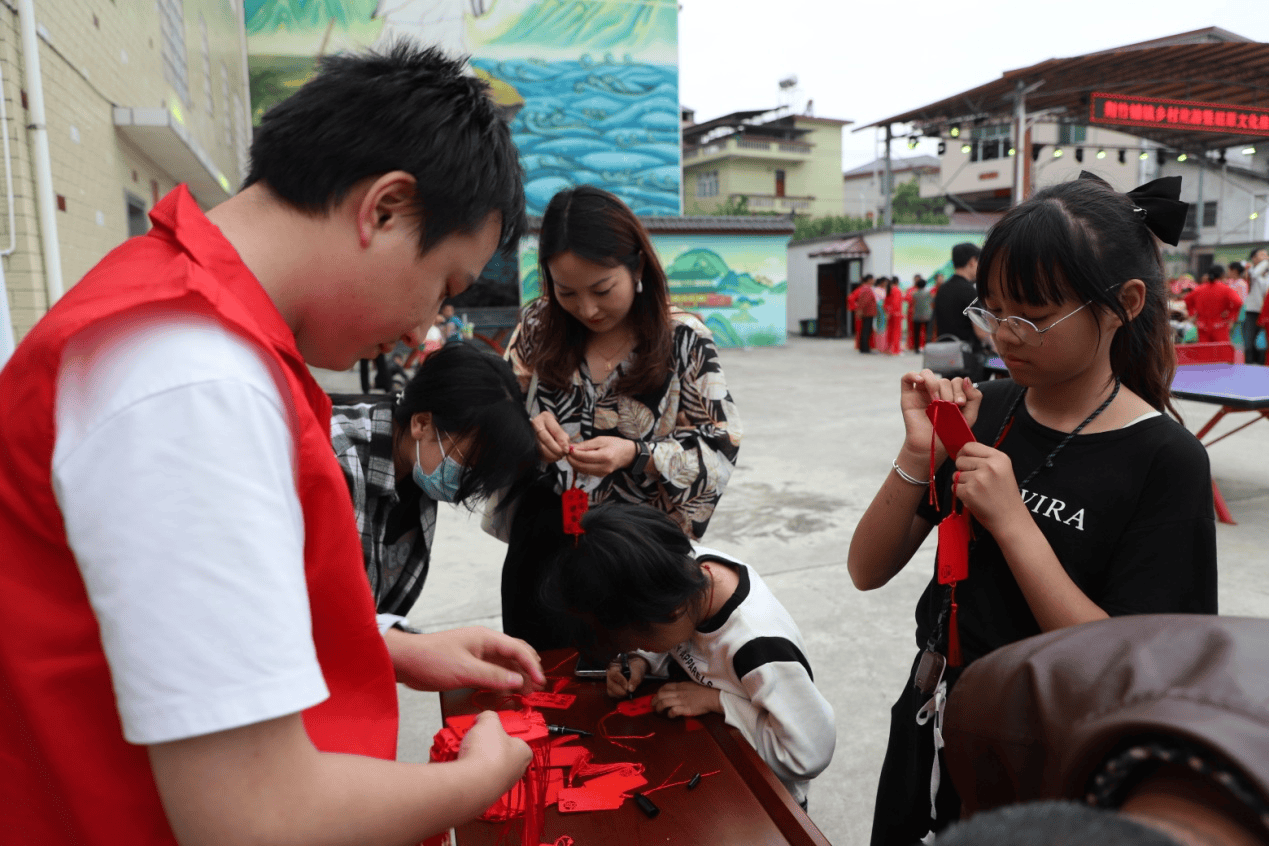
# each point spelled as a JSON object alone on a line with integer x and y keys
{"x": 627, "y": 396}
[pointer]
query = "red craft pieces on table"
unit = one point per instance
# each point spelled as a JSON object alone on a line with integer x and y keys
{"x": 635, "y": 707}
{"x": 542, "y": 699}
{"x": 527, "y": 799}
{"x": 737, "y": 801}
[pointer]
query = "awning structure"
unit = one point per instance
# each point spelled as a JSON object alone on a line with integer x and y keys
{"x": 844, "y": 248}
{"x": 165, "y": 139}
{"x": 1210, "y": 66}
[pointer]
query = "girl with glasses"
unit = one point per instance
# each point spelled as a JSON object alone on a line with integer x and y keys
{"x": 1085, "y": 500}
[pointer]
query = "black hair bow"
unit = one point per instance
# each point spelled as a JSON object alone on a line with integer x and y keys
{"x": 1159, "y": 204}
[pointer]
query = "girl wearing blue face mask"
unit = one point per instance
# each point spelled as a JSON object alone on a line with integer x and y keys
{"x": 457, "y": 433}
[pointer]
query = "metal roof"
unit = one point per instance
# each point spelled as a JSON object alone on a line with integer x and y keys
{"x": 844, "y": 248}
{"x": 897, "y": 165}
{"x": 1209, "y": 65}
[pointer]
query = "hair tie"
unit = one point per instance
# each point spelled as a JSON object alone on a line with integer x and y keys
{"x": 1158, "y": 204}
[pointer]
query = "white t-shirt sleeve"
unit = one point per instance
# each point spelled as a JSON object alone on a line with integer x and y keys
{"x": 174, "y": 467}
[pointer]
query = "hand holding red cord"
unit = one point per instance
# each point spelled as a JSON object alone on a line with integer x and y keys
{"x": 917, "y": 391}
{"x": 988, "y": 487}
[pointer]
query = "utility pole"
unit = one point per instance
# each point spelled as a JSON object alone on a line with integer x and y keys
{"x": 888, "y": 187}
{"x": 1022, "y": 141}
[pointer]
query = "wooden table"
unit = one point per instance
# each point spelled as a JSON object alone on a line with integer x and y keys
{"x": 1235, "y": 388}
{"x": 743, "y": 805}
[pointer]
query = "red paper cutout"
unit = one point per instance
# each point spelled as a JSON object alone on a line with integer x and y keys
{"x": 542, "y": 699}
{"x": 590, "y": 770}
{"x": 604, "y": 792}
{"x": 575, "y": 799}
{"x": 526, "y": 724}
{"x": 554, "y": 784}
{"x": 635, "y": 707}
{"x": 574, "y": 504}
{"x": 569, "y": 756}
{"x": 616, "y": 784}
{"x": 949, "y": 425}
{"x": 953, "y": 551}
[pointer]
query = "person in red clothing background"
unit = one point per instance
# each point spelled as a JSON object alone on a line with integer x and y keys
{"x": 864, "y": 304}
{"x": 1213, "y": 306}
{"x": 894, "y": 316}
{"x": 190, "y": 652}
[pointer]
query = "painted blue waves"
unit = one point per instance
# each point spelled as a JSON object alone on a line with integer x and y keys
{"x": 611, "y": 123}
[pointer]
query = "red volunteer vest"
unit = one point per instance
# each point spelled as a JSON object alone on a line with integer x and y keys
{"x": 66, "y": 773}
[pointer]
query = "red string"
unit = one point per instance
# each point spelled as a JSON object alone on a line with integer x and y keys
{"x": 502, "y": 700}
{"x": 953, "y": 634}
{"x": 614, "y": 738}
{"x": 569, "y": 657}
{"x": 677, "y": 783}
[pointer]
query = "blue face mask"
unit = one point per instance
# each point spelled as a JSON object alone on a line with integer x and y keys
{"x": 442, "y": 483}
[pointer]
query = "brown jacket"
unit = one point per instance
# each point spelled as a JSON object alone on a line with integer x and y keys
{"x": 1033, "y": 720}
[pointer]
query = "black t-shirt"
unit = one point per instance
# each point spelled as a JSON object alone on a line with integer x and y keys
{"x": 949, "y": 309}
{"x": 1128, "y": 513}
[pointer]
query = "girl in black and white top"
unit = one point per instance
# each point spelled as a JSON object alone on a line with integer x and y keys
{"x": 635, "y": 582}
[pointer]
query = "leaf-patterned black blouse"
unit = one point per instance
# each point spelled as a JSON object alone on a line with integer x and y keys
{"x": 690, "y": 425}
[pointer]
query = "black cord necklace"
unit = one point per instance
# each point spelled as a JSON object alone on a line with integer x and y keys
{"x": 1048, "y": 462}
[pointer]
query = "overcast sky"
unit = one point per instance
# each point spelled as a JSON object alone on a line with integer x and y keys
{"x": 864, "y": 61}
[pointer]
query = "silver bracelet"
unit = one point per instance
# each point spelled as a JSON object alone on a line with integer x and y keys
{"x": 911, "y": 480}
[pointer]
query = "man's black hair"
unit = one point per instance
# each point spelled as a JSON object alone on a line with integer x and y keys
{"x": 409, "y": 109}
{"x": 963, "y": 253}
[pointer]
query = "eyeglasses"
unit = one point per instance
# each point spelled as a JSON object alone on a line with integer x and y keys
{"x": 1024, "y": 330}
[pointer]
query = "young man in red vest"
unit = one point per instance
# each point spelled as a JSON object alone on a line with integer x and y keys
{"x": 190, "y": 651}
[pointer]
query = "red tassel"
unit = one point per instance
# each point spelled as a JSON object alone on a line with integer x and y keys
{"x": 953, "y": 634}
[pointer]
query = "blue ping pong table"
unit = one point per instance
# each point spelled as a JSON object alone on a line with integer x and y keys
{"x": 1234, "y": 387}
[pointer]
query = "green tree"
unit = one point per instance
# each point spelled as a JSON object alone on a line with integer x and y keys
{"x": 733, "y": 206}
{"x": 908, "y": 206}
{"x": 836, "y": 224}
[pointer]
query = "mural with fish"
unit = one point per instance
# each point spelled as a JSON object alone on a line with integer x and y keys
{"x": 590, "y": 87}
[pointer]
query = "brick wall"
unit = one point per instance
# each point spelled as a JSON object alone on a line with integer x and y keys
{"x": 94, "y": 55}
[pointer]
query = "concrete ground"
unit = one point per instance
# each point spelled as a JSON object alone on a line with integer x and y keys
{"x": 821, "y": 424}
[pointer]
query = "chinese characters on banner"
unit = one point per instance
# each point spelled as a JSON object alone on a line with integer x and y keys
{"x": 1122, "y": 109}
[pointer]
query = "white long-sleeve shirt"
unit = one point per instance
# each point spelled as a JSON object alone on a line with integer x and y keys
{"x": 752, "y": 652}
{"x": 1257, "y": 286}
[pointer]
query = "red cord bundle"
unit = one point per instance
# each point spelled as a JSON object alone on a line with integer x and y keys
{"x": 527, "y": 798}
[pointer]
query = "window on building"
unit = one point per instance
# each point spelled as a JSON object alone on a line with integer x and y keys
{"x": 207, "y": 72}
{"x": 138, "y": 222}
{"x": 229, "y": 110}
{"x": 242, "y": 140}
{"x": 707, "y": 183}
{"x": 779, "y": 183}
{"x": 989, "y": 142}
{"x": 1209, "y": 213}
{"x": 1071, "y": 133}
{"x": 175, "y": 59}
